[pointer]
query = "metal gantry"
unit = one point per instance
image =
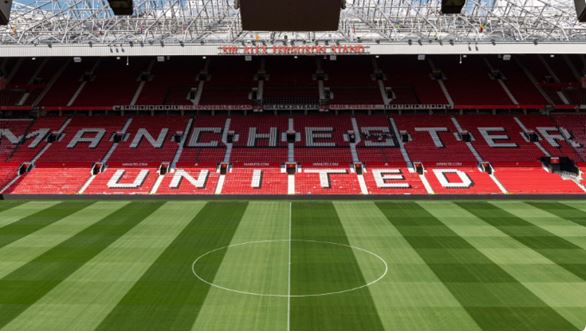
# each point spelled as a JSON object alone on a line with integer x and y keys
{"x": 75, "y": 22}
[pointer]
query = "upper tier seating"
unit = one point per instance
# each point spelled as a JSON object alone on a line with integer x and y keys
{"x": 551, "y": 137}
{"x": 503, "y": 143}
{"x": 411, "y": 81}
{"x": 260, "y": 149}
{"x": 290, "y": 81}
{"x": 85, "y": 140}
{"x": 517, "y": 82}
{"x": 326, "y": 144}
{"x": 137, "y": 148}
{"x": 469, "y": 83}
{"x": 35, "y": 139}
{"x": 433, "y": 140}
{"x": 68, "y": 83}
{"x": 170, "y": 81}
{"x": 207, "y": 149}
{"x": 115, "y": 79}
{"x": 12, "y": 131}
{"x": 230, "y": 82}
{"x": 349, "y": 78}
{"x": 576, "y": 125}
{"x": 378, "y": 143}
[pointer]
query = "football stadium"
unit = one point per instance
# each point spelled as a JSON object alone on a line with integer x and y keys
{"x": 282, "y": 165}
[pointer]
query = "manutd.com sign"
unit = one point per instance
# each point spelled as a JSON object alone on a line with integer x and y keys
{"x": 294, "y": 49}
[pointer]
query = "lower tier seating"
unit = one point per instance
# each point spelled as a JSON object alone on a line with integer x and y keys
{"x": 461, "y": 180}
{"x": 528, "y": 180}
{"x": 255, "y": 181}
{"x": 326, "y": 181}
{"x": 50, "y": 181}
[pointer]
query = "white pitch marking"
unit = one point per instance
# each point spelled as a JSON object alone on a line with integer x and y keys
{"x": 289, "y": 272}
{"x": 244, "y": 292}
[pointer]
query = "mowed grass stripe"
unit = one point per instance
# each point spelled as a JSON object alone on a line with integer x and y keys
{"x": 7, "y": 204}
{"x": 18, "y": 212}
{"x": 318, "y": 267}
{"x": 39, "y": 220}
{"x": 556, "y": 249}
{"x": 469, "y": 275}
{"x": 24, "y": 250}
{"x": 88, "y": 295}
{"x": 566, "y": 229}
{"x": 564, "y": 211}
{"x": 168, "y": 296}
{"x": 29, "y": 283}
{"x": 256, "y": 267}
{"x": 552, "y": 284}
{"x": 410, "y": 296}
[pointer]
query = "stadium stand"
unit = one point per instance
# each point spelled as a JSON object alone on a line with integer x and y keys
{"x": 95, "y": 130}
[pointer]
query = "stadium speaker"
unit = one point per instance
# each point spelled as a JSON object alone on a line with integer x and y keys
{"x": 580, "y": 9}
{"x": 453, "y": 6}
{"x": 5, "y": 6}
{"x": 121, "y": 7}
{"x": 290, "y": 15}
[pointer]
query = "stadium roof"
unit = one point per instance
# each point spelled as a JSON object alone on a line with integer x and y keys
{"x": 70, "y": 27}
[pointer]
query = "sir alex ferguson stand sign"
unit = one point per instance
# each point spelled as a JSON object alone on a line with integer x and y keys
{"x": 356, "y": 49}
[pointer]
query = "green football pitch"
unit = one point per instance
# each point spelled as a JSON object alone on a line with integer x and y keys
{"x": 301, "y": 265}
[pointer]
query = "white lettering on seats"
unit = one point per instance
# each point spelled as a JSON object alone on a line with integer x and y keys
{"x": 491, "y": 138}
{"x": 313, "y": 133}
{"x": 253, "y": 135}
{"x": 382, "y": 175}
{"x": 464, "y": 182}
{"x": 552, "y": 139}
{"x": 114, "y": 182}
{"x": 197, "y": 131}
{"x": 324, "y": 175}
{"x": 372, "y": 131}
{"x": 256, "y": 179}
{"x": 143, "y": 133}
{"x": 433, "y": 132}
{"x": 181, "y": 174}
{"x": 80, "y": 137}
{"x": 39, "y": 135}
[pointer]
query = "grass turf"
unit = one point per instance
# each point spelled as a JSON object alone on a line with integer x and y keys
{"x": 305, "y": 265}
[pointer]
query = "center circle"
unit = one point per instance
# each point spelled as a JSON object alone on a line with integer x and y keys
{"x": 321, "y": 266}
